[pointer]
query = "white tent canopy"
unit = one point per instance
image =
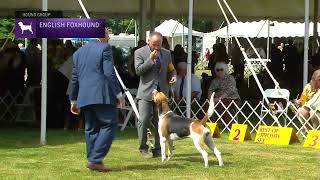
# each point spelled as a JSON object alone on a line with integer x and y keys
{"x": 173, "y": 28}
{"x": 260, "y": 29}
{"x": 284, "y": 10}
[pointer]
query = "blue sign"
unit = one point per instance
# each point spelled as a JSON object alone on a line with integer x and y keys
{"x": 59, "y": 28}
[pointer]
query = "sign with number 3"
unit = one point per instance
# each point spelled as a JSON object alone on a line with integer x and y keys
{"x": 239, "y": 133}
{"x": 313, "y": 139}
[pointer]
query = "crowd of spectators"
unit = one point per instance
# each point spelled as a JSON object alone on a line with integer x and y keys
{"x": 20, "y": 69}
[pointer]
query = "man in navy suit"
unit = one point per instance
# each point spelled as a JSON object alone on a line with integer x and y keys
{"x": 96, "y": 91}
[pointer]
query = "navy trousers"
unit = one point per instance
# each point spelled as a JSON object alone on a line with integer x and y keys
{"x": 100, "y": 128}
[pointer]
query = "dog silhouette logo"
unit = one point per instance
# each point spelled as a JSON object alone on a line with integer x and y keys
{"x": 27, "y": 27}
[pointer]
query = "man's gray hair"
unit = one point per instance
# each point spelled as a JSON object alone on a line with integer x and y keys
{"x": 222, "y": 65}
{"x": 155, "y": 33}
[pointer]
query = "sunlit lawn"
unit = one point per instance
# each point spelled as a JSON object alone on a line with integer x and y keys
{"x": 64, "y": 158}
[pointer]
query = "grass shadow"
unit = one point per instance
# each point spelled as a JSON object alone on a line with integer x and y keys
{"x": 27, "y": 137}
{"x": 16, "y": 138}
{"x": 147, "y": 167}
{"x": 198, "y": 154}
{"x": 199, "y": 159}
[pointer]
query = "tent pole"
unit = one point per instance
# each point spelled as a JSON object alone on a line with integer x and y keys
{"x": 142, "y": 20}
{"x": 268, "y": 40}
{"x": 25, "y": 42}
{"x": 189, "y": 58}
{"x": 182, "y": 38}
{"x": 135, "y": 33}
{"x": 227, "y": 40}
{"x": 44, "y": 84}
{"x": 171, "y": 41}
{"x": 306, "y": 41}
{"x": 153, "y": 15}
{"x": 315, "y": 27}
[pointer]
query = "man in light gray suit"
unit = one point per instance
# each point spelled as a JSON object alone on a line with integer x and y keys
{"x": 154, "y": 66}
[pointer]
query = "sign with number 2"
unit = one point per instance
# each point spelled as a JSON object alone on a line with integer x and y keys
{"x": 239, "y": 133}
{"x": 313, "y": 139}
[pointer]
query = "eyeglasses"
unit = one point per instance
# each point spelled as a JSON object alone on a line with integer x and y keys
{"x": 218, "y": 70}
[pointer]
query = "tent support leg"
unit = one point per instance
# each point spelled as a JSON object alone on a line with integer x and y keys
{"x": 189, "y": 58}
{"x": 153, "y": 15}
{"x": 142, "y": 20}
{"x": 44, "y": 84}
{"x": 306, "y": 42}
{"x": 315, "y": 27}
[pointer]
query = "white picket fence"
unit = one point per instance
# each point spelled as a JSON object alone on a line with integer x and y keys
{"x": 248, "y": 114}
{"x": 18, "y": 107}
{"x": 252, "y": 115}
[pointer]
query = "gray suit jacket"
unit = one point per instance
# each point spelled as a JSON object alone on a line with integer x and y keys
{"x": 149, "y": 75}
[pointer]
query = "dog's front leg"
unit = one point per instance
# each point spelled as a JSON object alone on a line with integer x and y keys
{"x": 170, "y": 144}
{"x": 163, "y": 148}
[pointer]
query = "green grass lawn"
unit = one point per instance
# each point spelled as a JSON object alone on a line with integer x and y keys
{"x": 21, "y": 157}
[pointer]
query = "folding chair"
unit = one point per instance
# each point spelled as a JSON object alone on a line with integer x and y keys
{"x": 129, "y": 110}
{"x": 276, "y": 107}
{"x": 25, "y": 110}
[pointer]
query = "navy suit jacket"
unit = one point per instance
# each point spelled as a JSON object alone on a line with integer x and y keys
{"x": 93, "y": 76}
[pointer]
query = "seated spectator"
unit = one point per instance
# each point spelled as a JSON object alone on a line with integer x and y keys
{"x": 21, "y": 47}
{"x": 71, "y": 120}
{"x": 131, "y": 68}
{"x": 179, "y": 55}
{"x": 311, "y": 108}
{"x": 219, "y": 54}
{"x": 69, "y": 49}
{"x": 165, "y": 43}
{"x": 307, "y": 93}
{"x": 224, "y": 87}
{"x": 194, "y": 61}
{"x": 15, "y": 68}
{"x": 205, "y": 84}
{"x": 180, "y": 87}
{"x": 314, "y": 64}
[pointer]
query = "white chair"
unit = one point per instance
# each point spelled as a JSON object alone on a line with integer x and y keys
{"x": 277, "y": 107}
{"x": 25, "y": 110}
{"x": 128, "y": 111}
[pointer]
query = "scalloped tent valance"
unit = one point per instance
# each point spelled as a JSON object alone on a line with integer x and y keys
{"x": 245, "y": 10}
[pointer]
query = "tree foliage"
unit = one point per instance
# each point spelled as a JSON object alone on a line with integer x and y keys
{"x": 6, "y": 25}
{"x": 121, "y": 25}
{"x": 117, "y": 25}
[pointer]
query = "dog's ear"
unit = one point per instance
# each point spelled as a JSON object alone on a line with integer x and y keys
{"x": 156, "y": 99}
{"x": 164, "y": 98}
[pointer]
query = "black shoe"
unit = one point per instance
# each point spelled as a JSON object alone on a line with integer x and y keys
{"x": 145, "y": 154}
{"x": 156, "y": 154}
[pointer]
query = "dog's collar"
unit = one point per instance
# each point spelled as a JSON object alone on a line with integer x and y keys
{"x": 166, "y": 113}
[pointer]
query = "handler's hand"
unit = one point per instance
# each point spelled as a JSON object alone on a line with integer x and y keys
{"x": 173, "y": 80}
{"x": 153, "y": 54}
{"x": 74, "y": 109}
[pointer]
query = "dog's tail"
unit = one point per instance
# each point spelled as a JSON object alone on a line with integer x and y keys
{"x": 210, "y": 110}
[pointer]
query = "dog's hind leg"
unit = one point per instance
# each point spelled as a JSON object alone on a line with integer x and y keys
{"x": 170, "y": 146}
{"x": 210, "y": 143}
{"x": 197, "y": 143}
